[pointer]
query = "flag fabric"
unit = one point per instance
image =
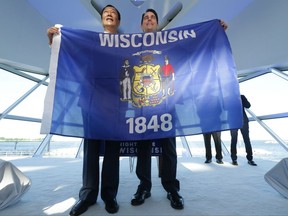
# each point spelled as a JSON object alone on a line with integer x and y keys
{"x": 175, "y": 82}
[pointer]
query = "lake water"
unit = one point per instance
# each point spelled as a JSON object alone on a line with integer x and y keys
{"x": 261, "y": 149}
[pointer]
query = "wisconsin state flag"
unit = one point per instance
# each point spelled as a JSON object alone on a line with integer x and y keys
{"x": 176, "y": 82}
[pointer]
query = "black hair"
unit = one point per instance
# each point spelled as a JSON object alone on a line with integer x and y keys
{"x": 152, "y": 11}
{"x": 119, "y": 16}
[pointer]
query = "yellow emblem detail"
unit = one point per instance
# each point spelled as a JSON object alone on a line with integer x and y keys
{"x": 146, "y": 85}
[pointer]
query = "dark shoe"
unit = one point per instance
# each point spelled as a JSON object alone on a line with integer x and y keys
{"x": 234, "y": 162}
{"x": 252, "y": 163}
{"x": 219, "y": 161}
{"x": 80, "y": 207}
{"x": 208, "y": 161}
{"x": 139, "y": 197}
{"x": 177, "y": 202}
{"x": 111, "y": 206}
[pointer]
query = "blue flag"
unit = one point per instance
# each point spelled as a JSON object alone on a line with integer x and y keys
{"x": 176, "y": 82}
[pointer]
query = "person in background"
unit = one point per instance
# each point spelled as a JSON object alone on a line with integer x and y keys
{"x": 216, "y": 135}
{"x": 245, "y": 134}
{"x": 149, "y": 23}
{"x": 218, "y": 147}
{"x": 110, "y": 169}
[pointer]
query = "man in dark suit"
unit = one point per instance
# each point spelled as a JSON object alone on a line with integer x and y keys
{"x": 245, "y": 134}
{"x": 168, "y": 170}
{"x": 218, "y": 147}
{"x": 110, "y": 169}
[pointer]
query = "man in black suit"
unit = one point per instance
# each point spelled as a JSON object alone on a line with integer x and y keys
{"x": 110, "y": 169}
{"x": 218, "y": 146}
{"x": 245, "y": 134}
{"x": 149, "y": 23}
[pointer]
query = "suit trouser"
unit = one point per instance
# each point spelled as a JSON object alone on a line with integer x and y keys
{"x": 234, "y": 137}
{"x": 169, "y": 164}
{"x": 110, "y": 171}
{"x": 217, "y": 142}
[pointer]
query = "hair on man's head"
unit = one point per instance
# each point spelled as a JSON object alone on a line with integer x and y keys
{"x": 119, "y": 16}
{"x": 152, "y": 11}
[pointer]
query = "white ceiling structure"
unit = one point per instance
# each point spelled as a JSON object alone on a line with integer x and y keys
{"x": 257, "y": 28}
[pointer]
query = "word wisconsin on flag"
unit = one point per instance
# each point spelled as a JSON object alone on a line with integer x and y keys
{"x": 176, "y": 82}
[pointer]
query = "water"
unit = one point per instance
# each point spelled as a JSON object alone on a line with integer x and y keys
{"x": 265, "y": 149}
{"x": 57, "y": 148}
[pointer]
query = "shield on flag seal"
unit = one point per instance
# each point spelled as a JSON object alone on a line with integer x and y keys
{"x": 146, "y": 85}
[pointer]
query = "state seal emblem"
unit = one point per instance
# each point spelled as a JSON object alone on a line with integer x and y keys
{"x": 146, "y": 83}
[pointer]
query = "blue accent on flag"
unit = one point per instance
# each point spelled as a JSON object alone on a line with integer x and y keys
{"x": 176, "y": 82}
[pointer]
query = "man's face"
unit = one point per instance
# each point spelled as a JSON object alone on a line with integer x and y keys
{"x": 110, "y": 18}
{"x": 149, "y": 23}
